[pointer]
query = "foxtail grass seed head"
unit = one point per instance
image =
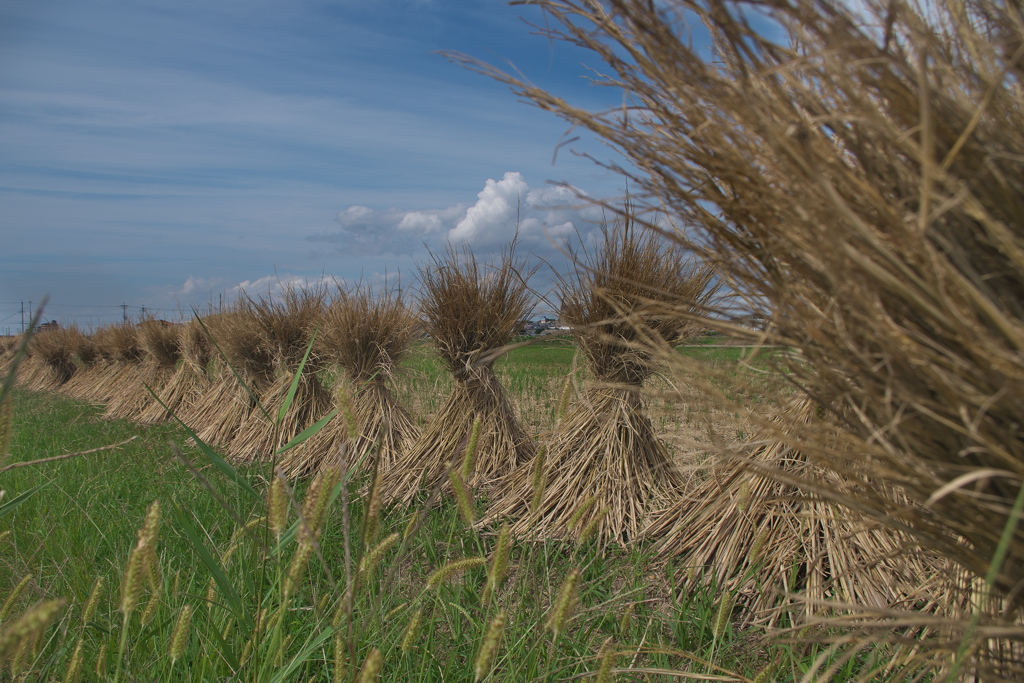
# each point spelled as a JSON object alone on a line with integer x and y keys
{"x": 7, "y": 532}
{"x": 538, "y": 482}
{"x": 180, "y": 635}
{"x": 372, "y": 558}
{"x": 489, "y": 647}
{"x": 340, "y": 659}
{"x": 591, "y": 528}
{"x": 411, "y": 525}
{"x": 758, "y": 547}
{"x": 74, "y": 671}
{"x": 371, "y": 527}
{"x": 627, "y": 617}
{"x": 93, "y": 601}
{"x": 277, "y": 506}
{"x": 298, "y": 565}
{"x": 606, "y": 661}
{"x": 463, "y": 499}
{"x": 412, "y": 630}
{"x": 347, "y": 414}
{"x": 451, "y": 569}
{"x": 499, "y": 564}
{"x": 581, "y": 512}
{"x": 19, "y": 636}
{"x": 6, "y": 428}
{"x": 13, "y": 597}
{"x": 370, "y": 671}
{"x": 744, "y": 495}
{"x": 564, "y": 603}
{"x": 563, "y": 399}
{"x": 151, "y": 606}
{"x": 131, "y": 583}
{"x": 469, "y": 459}
{"x": 101, "y": 662}
{"x": 722, "y": 616}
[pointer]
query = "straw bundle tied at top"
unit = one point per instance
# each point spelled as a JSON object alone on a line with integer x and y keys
{"x": 365, "y": 333}
{"x": 217, "y": 415}
{"x": 471, "y": 311}
{"x": 159, "y": 342}
{"x": 605, "y": 464}
{"x": 283, "y": 327}
{"x": 189, "y": 379}
{"x": 859, "y": 173}
{"x": 53, "y": 354}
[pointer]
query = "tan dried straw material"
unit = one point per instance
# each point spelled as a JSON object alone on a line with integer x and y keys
{"x": 780, "y": 549}
{"x": 605, "y": 454}
{"x": 283, "y": 328}
{"x": 160, "y": 353}
{"x": 858, "y": 174}
{"x": 471, "y": 312}
{"x": 189, "y": 379}
{"x": 365, "y": 333}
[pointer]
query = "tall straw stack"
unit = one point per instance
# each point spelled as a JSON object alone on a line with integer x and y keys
{"x": 51, "y": 360}
{"x": 219, "y": 412}
{"x": 283, "y": 327}
{"x": 471, "y": 312}
{"x": 190, "y": 378}
{"x": 159, "y": 343}
{"x": 365, "y": 333}
{"x": 120, "y": 355}
{"x": 863, "y": 179}
{"x": 605, "y": 464}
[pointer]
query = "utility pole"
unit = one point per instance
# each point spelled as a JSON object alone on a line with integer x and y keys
{"x": 23, "y": 317}
{"x": 143, "y": 312}
{"x": 124, "y": 312}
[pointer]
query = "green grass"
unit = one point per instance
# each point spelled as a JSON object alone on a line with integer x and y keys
{"x": 81, "y": 526}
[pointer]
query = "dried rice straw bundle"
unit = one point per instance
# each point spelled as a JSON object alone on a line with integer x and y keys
{"x": 91, "y": 362}
{"x": 159, "y": 342}
{"x": 119, "y": 357}
{"x": 781, "y": 550}
{"x": 56, "y": 351}
{"x": 284, "y": 326}
{"x": 605, "y": 464}
{"x": 471, "y": 313}
{"x": 217, "y": 415}
{"x": 366, "y": 332}
{"x": 190, "y": 379}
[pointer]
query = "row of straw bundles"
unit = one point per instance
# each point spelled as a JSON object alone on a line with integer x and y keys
{"x": 861, "y": 178}
{"x": 471, "y": 311}
{"x": 605, "y": 464}
{"x": 366, "y": 333}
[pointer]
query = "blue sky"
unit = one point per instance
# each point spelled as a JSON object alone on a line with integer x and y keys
{"x": 164, "y": 153}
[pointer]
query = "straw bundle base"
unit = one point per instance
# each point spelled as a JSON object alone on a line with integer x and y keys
{"x": 503, "y": 446}
{"x": 779, "y": 551}
{"x": 182, "y": 390}
{"x": 133, "y": 398}
{"x": 258, "y": 438}
{"x": 386, "y": 431}
{"x": 604, "y": 469}
{"x": 217, "y": 416}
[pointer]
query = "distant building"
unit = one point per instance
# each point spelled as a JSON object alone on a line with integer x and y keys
{"x": 52, "y": 325}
